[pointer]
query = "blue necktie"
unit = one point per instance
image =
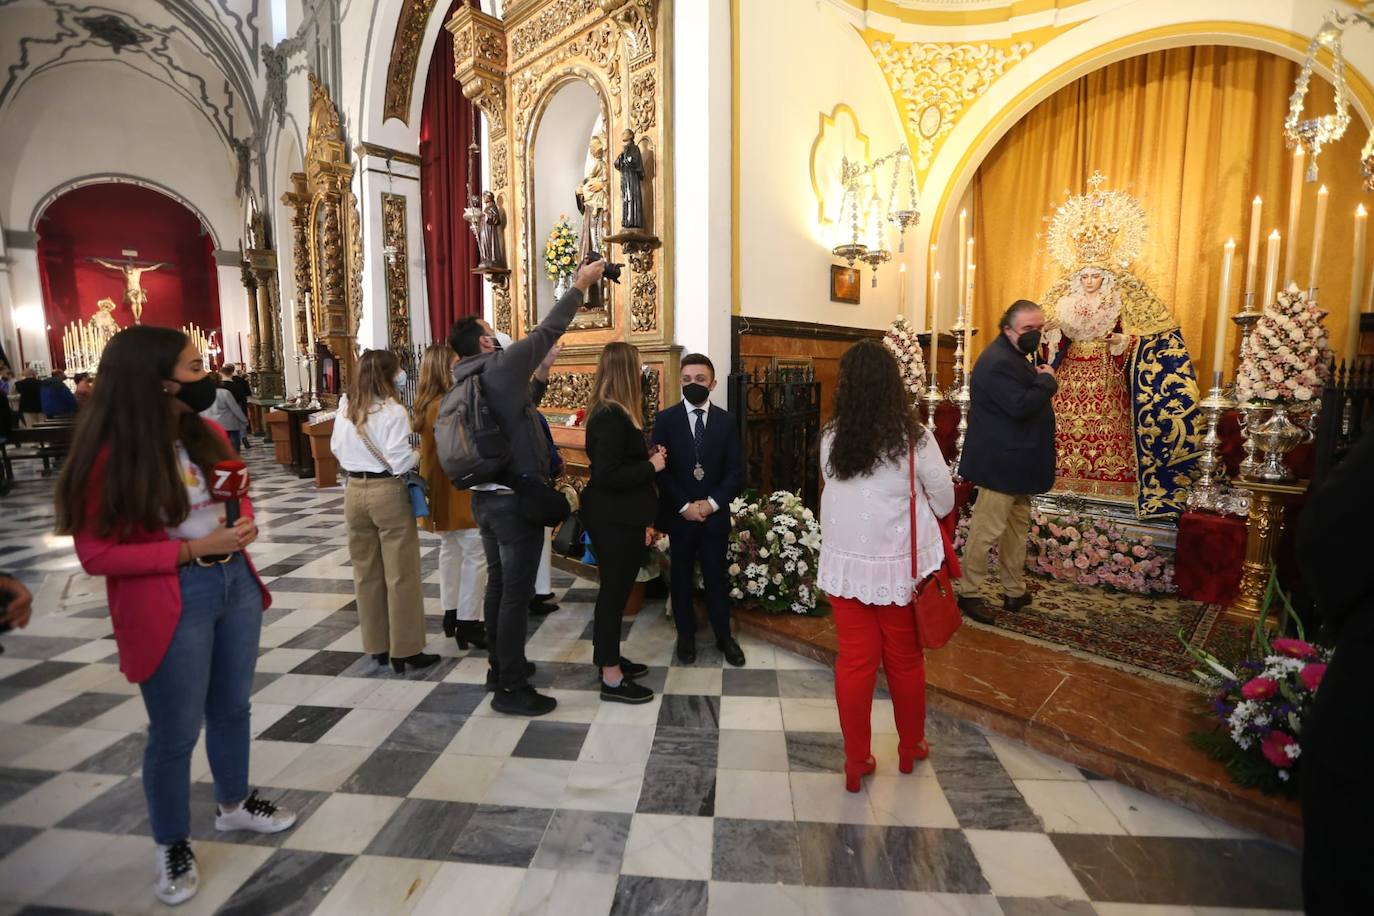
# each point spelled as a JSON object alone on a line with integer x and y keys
{"x": 699, "y": 433}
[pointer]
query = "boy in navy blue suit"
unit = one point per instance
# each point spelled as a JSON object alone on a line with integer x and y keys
{"x": 703, "y": 475}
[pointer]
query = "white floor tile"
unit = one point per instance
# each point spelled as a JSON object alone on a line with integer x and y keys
{"x": 321, "y": 767}
{"x": 1022, "y": 762}
{"x": 488, "y": 736}
{"x": 69, "y": 749}
{"x": 51, "y": 801}
{"x": 343, "y": 824}
{"x": 459, "y": 778}
{"x": 380, "y": 884}
{"x": 528, "y": 782}
{"x": 1023, "y": 865}
{"x": 732, "y": 899}
{"x": 910, "y": 801}
{"x": 603, "y": 787}
{"x": 695, "y": 681}
{"x": 1069, "y": 807}
{"x": 564, "y": 893}
{"x": 810, "y": 714}
{"x": 751, "y": 713}
{"x": 481, "y": 888}
{"x": 823, "y": 797}
{"x": 753, "y": 795}
{"x": 364, "y": 727}
{"x": 1146, "y": 815}
{"x": 667, "y": 846}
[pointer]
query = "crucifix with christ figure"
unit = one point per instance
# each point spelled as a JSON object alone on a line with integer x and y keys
{"x": 135, "y": 297}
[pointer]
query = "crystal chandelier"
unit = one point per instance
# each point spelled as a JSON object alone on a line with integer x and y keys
{"x": 867, "y": 219}
{"x": 1314, "y": 133}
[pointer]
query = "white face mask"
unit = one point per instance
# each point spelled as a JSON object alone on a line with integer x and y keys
{"x": 401, "y": 379}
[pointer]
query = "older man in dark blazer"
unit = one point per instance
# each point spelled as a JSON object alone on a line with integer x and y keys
{"x": 1008, "y": 454}
{"x": 705, "y": 472}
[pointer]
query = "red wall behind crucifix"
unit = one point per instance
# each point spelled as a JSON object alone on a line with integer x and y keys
{"x": 101, "y": 220}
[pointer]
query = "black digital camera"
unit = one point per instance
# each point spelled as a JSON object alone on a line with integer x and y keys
{"x": 613, "y": 269}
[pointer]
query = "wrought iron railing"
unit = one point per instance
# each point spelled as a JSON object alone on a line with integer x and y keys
{"x": 1347, "y": 412}
{"x": 779, "y": 416}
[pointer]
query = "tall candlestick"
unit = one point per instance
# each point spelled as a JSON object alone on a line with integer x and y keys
{"x": 963, "y": 264}
{"x": 901, "y": 290}
{"x": 1318, "y": 233}
{"x": 1223, "y": 298}
{"x": 930, "y": 281}
{"x": 968, "y": 327}
{"x": 1271, "y": 269}
{"x": 1352, "y": 344}
{"x": 1252, "y": 250}
{"x": 934, "y": 321}
{"x": 1290, "y": 253}
{"x": 968, "y": 278}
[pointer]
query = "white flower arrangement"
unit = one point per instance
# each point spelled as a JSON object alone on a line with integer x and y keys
{"x": 774, "y": 544}
{"x": 902, "y": 340}
{"x": 1287, "y": 357}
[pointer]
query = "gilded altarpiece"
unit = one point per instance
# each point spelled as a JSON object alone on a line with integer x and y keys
{"x": 333, "y": 242}
{"x": 511, "y": 69}
{"x": 397, "y": 267}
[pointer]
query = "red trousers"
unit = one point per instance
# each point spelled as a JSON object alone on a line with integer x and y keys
{"x": 869, "y": 634}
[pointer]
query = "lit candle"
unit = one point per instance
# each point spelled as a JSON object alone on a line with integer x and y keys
{"x": 968, "y": 327}
{"x": 934, "y": 321}
{"x": 901, "y": 290}
{"x": 1290, "y": 253}
{"x": 963, "y": 264}
{"x": 1318, "y": 231}
{"x": 1271, "y": 269}
{"x": 1352, "y": 344}
{"x": 1252, "y": 251}
{"x": 1219, "y": 349}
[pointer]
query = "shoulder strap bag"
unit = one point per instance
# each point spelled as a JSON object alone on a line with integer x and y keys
{"x": 416, "y": 487}
{"x": 934, "y": 603}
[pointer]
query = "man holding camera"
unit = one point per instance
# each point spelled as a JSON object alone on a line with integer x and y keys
{"x": 511, "y": 539}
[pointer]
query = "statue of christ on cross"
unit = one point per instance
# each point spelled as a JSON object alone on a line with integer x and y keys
{"x": 134, "y": 295}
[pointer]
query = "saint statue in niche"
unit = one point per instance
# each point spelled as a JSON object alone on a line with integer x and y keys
{"x": 490, "y": 241}
{"x": 134, "y": 295}
{"x": 1126, "y": 409}
{"x": 631, "y": 167}
{"x": 592, "y": 202}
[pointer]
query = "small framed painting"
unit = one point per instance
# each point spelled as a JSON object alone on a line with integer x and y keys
{"x": 844, "y": 284}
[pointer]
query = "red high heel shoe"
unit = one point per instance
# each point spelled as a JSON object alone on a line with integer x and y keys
{"x": 907, "y": 764}
{"x": 853, "y": 773}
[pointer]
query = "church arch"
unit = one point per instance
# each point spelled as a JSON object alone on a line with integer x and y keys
{"x": 118, "y": 178}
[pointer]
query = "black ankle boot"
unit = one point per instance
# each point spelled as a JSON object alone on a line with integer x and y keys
{"x": 450, "y": 622}
{"x": 382, "y": 658}
{"x": 470, "y": 633}
{"x": 418, "y": 660}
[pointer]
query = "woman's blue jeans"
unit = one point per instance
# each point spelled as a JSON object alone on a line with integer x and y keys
{"x": 206, "y": 674}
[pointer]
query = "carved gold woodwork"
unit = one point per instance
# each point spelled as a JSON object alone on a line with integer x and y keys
{"x": 511, "y": 69}
{"x": 298, "y": 199}
{"x": 334, "y": 234}
{"x": 397, "y": 269}
{"x": 569, "y": 390}
{"x": 265, "y": 303}
{"x": 405, "y": 52}
{"x": 1263, "y": 529}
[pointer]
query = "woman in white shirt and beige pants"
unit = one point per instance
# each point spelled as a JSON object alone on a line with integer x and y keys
{"x": 866, "y": 549}
{"x": 371, "y": 440}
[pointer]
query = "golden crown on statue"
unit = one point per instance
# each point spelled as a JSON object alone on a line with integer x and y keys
{"x": 1100, "y": 228}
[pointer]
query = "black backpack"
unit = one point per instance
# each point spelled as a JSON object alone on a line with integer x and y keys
{"x": 472, "y": 448}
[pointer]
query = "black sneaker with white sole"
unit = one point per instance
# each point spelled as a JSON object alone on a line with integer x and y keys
{"x": 627, "y": 692}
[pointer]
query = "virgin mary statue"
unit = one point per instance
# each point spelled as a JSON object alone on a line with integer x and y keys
{"x": 1126, "y": 410}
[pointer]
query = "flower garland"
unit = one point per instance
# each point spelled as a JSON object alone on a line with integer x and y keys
{"x": 560, "y": 252}
{"x": 1287, "y": 356}
{"x": 901, "y": 339}
{"x": 774, "y": 546}
{"x": 1092, "y": 552}
{"x": 1262, "y": 705}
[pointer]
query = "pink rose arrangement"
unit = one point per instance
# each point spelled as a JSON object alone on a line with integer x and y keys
{"x": 1288, "y": 351}
{"x": 1092, "y": 552}
{"x": 1261, "y": 705}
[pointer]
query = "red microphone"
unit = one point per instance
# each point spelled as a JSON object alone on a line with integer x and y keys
{"x": 230, "y": 484}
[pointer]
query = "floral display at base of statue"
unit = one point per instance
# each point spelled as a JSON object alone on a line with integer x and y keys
{"x": 560, "y": 251}
{"x": 774, "y": 549}
{"x": 902, "y": 341}
{"x": 1262, "y": 704}
{"x": 1092, "y": 552}
{"x": 1288, "y": 353}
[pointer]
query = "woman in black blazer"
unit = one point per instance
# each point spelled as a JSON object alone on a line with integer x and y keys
{"x": 618, "y": 508}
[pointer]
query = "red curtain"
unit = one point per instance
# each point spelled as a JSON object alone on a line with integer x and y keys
{"x": 446, "y": 122}
{"x": 102, "y": 220}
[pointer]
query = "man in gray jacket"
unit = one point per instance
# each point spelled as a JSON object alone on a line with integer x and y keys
{"x": 511, "y": 541}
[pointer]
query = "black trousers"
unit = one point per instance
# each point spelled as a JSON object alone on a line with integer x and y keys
{"x": 704, "y": 542}
{"x": 1337, "y": 806}
{"x": 512, "y": 546}
{"x": 619, "y": 553}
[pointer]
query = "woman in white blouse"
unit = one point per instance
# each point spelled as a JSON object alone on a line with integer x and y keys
{"x": 372, "y": 442}
{"x": 867, "y": 449}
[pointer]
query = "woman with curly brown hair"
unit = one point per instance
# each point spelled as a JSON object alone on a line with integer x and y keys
{"x": 868, "y": 452}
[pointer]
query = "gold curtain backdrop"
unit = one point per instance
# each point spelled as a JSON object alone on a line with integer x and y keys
{"x": 1195, "y": 133}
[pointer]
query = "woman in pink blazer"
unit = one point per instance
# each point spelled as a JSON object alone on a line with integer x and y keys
{"x": 185, "y": 601}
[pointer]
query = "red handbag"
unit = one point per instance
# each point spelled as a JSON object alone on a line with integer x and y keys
{"x": 936, "y": 607}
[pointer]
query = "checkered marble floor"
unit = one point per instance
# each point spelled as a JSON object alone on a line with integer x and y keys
{"x": 723, "y": 796}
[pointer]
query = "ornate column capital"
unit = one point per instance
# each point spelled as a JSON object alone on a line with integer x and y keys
{"x": 479, "y": 63}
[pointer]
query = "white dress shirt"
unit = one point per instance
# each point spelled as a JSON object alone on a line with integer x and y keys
{"x": 866, "y": 526}
{"x": 692, "y": 428}
{"x": 388, "y": 426}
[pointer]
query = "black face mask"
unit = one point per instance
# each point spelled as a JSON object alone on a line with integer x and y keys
{"x": 1028, "y": 342}
{"x": 696, "y": 394}
{"x": 198, "y": 395}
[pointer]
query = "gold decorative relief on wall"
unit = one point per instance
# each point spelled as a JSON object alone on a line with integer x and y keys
{"x": 568, "y": 390}
{"x": 396, "y": 263}
{"x": 933, "y": 83}
{"x": 405, "y": 52}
